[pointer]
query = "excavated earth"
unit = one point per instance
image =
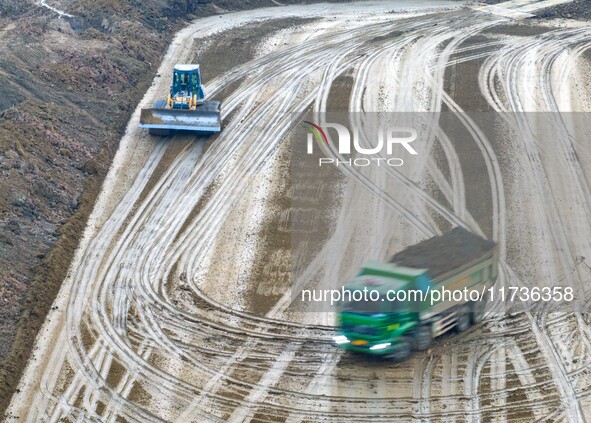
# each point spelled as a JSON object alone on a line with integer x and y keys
{"x": 69, "y": 85}
{"x": 176, "y": 305}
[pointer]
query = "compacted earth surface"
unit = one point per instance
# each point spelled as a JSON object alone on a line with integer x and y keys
{"x": 71, "y": 73}
{"x": 176, "y": 305}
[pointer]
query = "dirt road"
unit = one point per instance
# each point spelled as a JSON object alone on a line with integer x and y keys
{"x": 176, "y": 307}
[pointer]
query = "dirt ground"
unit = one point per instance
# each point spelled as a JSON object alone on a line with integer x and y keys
{"x": 185, "y": 260}
{"x": 70, "y": 86}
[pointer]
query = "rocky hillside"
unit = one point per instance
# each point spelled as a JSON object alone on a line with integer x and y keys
{"x": 68, "y": 87}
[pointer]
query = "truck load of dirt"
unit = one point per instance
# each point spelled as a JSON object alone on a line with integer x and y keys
{"x": 444, "y": 253}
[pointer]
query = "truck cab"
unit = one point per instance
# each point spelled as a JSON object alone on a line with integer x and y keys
{"x": 390, "y": 308}
{"x": 370, "y": 321}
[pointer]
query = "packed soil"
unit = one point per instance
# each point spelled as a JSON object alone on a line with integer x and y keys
{"x": 69, "y": 87}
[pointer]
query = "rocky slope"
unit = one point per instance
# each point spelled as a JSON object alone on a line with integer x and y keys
{"x": 68, "y": 86}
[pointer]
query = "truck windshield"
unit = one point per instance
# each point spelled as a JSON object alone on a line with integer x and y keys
{"x": 379, "y": 307}
{"x": 364, "y": 307}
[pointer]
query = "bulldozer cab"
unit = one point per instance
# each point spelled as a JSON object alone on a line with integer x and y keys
{"x": 186, "y": 81}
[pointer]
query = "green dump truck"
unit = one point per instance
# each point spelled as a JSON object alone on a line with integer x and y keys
{"x": 392, "y": 308}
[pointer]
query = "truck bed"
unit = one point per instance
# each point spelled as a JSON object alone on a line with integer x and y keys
{"x": 444, "y": 253}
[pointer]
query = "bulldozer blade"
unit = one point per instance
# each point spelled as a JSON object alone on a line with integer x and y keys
{"x": 205, "y": 118}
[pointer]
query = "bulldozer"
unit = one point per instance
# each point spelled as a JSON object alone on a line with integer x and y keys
{"x": 185, "y": 109}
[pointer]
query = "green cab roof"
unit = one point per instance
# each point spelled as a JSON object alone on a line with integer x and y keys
{"x": 374, "y": 282}
{"x": 382, "y": 276}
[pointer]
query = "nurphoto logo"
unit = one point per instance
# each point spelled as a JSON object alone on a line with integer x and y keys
{"x": 380, "y": 153}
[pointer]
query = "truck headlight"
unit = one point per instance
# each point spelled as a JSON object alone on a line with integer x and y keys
{"x": 379, "y": 346}
{"x": 340, "y": 339}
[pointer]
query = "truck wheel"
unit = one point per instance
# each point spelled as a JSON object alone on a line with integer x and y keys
{"x": 423, "y": 338}
{"x": 478, "y": 309}
{"x": 464, "y": 319}
{"x": 402, "y": 351}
